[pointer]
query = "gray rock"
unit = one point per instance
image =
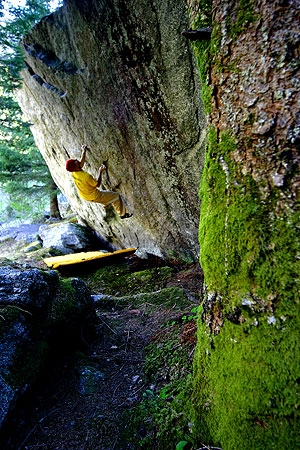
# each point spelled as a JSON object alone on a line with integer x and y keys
{"x": 30, "y": 288}
{"x": 67, "y": 238}
{"x": 35, "y": 245}
{"x": 20, "y": 232}
{"x": 38, "y": 311}
{"x": 120, "y": 77}
{"x": 90, "y": 380}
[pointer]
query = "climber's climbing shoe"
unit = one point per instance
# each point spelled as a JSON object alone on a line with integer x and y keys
{"x": 126, "y": 216}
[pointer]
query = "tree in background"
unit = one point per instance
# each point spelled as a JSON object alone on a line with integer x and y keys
{"x": 24, "y": 176}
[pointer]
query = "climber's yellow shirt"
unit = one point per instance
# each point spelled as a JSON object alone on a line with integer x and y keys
{"x": 86, "y": 185}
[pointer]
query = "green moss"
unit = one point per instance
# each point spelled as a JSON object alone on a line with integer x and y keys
{"x": 160, "y": 420}
{"x": 185, "y": 257}
{"x": 277, "y": 270}
{"x": 246, "y": 384}
{"x": 244, "y": 16}
{"x": 246, "y": 378}
{"x": 203, "y": 56}
{"x": 168, "y": 297}
{"x": 213, "y": 194}
{"x": 203, "y": 51}
{"x": 163, "y": 362}
{"x": 8, "y": 315}
{"x": 27, "y": 364}
{"x": 65, "y": 302}
{"x": 107, "y": 279}
{"x": 149, "y": 280}
{"x": 29, "y": 356}
{"x": 117, "y": 280}
{"x": 243, "y": 246}
{"x": 208, "y": 51}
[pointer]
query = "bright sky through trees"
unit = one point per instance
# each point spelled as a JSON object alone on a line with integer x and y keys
{"x": 54, "y": 4}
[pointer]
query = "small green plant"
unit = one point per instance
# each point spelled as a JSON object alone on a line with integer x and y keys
{"x": 182, "y": 445}
{"x": 148, "y": 394}
{"x": 192, "y": 316}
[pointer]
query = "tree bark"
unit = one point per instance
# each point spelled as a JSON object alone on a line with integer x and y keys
{"x": 247, "y": 358}
{"x": 54, "y": 209}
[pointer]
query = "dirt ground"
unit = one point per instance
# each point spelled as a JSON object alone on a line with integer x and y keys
{"x": 58, "y": 413}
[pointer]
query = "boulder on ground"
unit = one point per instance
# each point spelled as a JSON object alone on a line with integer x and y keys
{"x": 67, "y": 238}
{"x": 33, "y": 246}
{"x": 39, "y": 312}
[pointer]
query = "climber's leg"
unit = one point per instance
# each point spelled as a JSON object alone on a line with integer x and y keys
{"x": 110, "y": 197}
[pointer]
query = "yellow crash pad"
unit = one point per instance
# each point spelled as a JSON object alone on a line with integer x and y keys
{"x": 55, "y": 262}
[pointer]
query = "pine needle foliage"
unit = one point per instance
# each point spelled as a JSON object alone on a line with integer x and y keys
{"x": 24, "y": 176}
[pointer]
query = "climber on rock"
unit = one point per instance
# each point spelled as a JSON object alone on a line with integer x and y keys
{"x": 88, "y": 187}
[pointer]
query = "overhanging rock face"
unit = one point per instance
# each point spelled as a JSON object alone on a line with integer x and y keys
{"x": 119, "y": 77}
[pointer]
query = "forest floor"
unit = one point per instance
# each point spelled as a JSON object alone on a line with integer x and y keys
{"x": 62, "y": 412}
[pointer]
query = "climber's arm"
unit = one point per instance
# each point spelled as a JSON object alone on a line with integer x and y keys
{"x": 99, "y": 180}
{"x": 84, "y": 148}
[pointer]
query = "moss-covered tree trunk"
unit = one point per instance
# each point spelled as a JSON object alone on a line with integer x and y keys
{"x": 246, "y": 385}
